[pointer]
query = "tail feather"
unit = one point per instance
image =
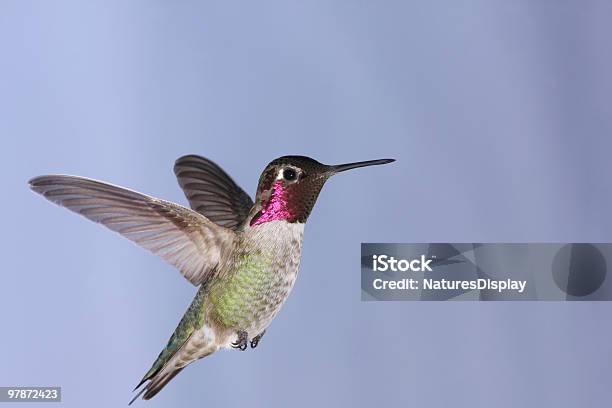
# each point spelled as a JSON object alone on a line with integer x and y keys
{"x": 137, "y": 395}
{"x": 191, "y": 340}
{"x": 170, "y": 363}
{"x": 156, "y": 384}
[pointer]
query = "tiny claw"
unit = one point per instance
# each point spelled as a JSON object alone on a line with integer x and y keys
{"x": 241, "y": 342}
{"x": 240, "y": 346}
{"x": 256, "y": 339}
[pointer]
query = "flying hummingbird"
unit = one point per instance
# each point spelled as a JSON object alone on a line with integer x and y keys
{"x": 244, "y": 256}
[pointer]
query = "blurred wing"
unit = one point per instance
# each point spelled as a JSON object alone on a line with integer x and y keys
{"x": 179, "y": 235}
{"x": 211, "y": 192}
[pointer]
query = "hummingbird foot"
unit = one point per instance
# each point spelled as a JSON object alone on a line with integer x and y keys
{"x": 256, "y": 339}
{"x": 241, "y": 343}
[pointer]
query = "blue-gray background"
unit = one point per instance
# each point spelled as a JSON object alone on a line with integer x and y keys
{"x": 498, "y": 112}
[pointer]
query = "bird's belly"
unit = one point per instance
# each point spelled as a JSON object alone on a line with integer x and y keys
{"x": 266, "y": 307}
{"x": 248, "y": 299}
{"x": 258, "y": 278}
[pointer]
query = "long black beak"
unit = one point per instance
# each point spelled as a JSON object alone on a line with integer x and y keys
{"x": 348, "y": 166}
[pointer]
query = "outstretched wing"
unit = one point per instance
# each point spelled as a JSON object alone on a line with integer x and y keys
{"x": 179, "y": 235}
{"x": 211, "y": 192}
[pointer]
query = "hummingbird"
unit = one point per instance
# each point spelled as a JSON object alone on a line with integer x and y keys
{"x": 243, "y": 256}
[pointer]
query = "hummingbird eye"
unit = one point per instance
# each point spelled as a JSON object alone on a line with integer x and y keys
{"x": 289, "y": 174}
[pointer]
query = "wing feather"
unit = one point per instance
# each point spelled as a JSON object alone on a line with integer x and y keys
{"x": 184, "y": 238}
{"x": 212, "y": 192}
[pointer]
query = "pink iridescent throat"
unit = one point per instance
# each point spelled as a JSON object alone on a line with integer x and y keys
{"x": 276, "y": 207}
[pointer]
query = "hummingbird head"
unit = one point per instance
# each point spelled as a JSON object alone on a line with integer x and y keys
{"x": 289, "y": 186}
